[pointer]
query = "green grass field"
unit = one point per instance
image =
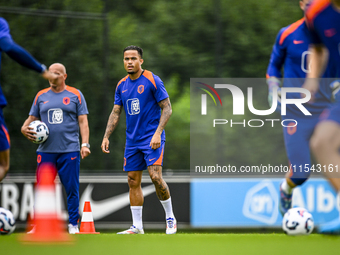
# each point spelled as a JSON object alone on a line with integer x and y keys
{"x": 181, "y": 243}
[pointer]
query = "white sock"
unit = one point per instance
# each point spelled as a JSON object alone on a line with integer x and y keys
{"x": 137, "y": 216}
{"x": 286, "y": 188}
{"x": 167, "y": 205}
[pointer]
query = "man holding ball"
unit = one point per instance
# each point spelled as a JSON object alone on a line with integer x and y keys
{"x": 63, "y": 109}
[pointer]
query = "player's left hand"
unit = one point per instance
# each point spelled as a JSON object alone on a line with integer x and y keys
{"x": 47, "y": 75}
{"x": 155, "y": 141}
{"x": 274, "y": 82}
{"x": 28, "y": 133}
{"x": 84, "y": 152}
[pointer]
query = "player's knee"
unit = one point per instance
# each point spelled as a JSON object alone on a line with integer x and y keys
{"x": 4, "y": 165}
{"x": 133, "y": 183}
{"x": 325, "y": 138}
{"x": 3, "y": 171}
{"x": 156, "y": 179}
{"x": 318, "y": 142}
{"x": 6, "y": 168}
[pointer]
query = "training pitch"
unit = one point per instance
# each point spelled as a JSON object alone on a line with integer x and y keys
{"x": 181, "y": 243}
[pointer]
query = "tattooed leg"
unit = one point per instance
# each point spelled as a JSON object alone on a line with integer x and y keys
{"x": 162, "y": 189}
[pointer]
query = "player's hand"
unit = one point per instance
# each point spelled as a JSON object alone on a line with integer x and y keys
{"x": 335, "y": 86}
{"x": 28, "y": 133}
{"x": 47, "y": 75}
{"x": 84, "y": 152}
{"x": 312, "y": 85}
{"x": 155, "y": 141}
{"x": 274, "y": 82}
{"x": 105, "y": 145}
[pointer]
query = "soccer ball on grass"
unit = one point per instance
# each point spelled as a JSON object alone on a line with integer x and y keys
{"x": 7, "y": 222}
{"x": 297, "y": 221}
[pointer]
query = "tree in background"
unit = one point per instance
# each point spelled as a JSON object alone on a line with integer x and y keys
{"x": 181, "y": 40}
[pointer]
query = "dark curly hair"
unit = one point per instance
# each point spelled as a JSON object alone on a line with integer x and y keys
{"x": 133, "y": 47}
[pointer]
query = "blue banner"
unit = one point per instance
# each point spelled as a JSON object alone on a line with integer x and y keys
{"x": 254, "y": 202}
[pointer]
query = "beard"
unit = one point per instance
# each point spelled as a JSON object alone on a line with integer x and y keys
{"x": 131, "y": 72}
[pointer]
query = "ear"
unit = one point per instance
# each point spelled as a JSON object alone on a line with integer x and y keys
{"x": 302, "y": 5}
{"x": 65, "y": 76}
{"x": 141, "y": 61}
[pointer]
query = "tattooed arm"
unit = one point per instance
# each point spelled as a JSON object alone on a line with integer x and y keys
{"x": 165, "y": 116}
{"x": 111, "y": 125}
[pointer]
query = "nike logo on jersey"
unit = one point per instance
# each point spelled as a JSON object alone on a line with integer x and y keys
{"x": 124, "y": 91}
{"x": 73, "y": 158}
{"x": 297, "y": 42}
{"x": 330, "y": 32}
{"x": 101, "y": 209}
{"x": 152, "y": 159}
{"x": 46, "y": 102}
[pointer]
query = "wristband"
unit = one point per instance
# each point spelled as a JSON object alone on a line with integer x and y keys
{"x": 85, "y": 145}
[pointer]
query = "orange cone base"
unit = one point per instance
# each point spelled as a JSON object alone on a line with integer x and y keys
{"x": 48, "y": 231}
{"x": 61, "y": 238}
{"x": 87, "y": 228}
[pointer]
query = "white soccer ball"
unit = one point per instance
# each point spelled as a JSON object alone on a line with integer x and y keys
{"x": 7, "y": 222}
{"x": 297, "y": 221}
{"x": 41, "y": 129}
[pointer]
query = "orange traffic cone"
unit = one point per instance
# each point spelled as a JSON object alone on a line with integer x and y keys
{"x": 48, "y": 227}
{"x": 87, "y": 224}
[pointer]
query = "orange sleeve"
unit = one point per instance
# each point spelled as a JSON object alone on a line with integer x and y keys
{"x": 124, "y": 79}
{"x": 39, "y": 94}
{"x": 315, "y": 8}
{"x": 74, "y": 91}
{"x": 291, "y": 29}
{"x": 149, "y": 76}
